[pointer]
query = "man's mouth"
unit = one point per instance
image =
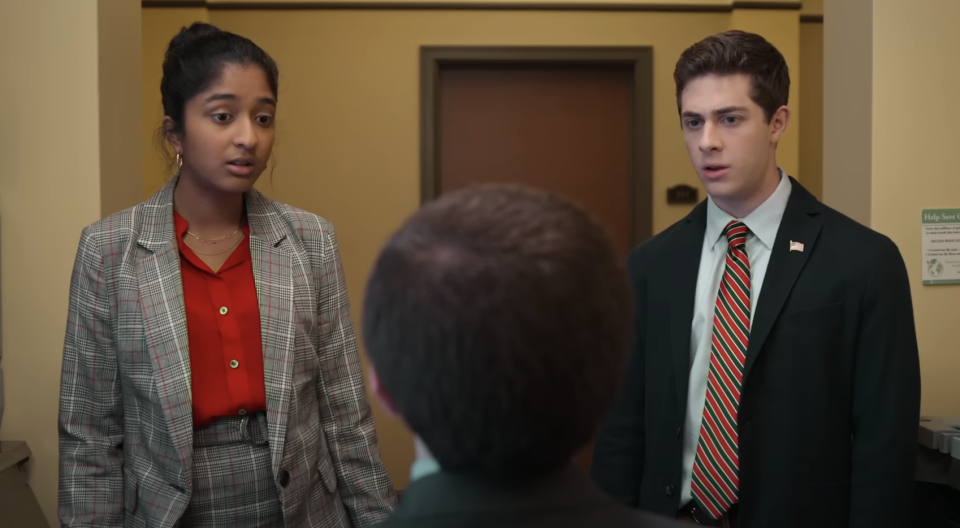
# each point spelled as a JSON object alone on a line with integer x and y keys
{"x": 715, "y": 170}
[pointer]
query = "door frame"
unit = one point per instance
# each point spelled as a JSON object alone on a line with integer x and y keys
{"x": 639, "y": 58}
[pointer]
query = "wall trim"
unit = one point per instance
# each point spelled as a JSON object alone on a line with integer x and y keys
{"x": 639, "y": 58}
{"x": 777, "y": 6}
{"x": 173, "y": 3}
{"x": 468, "y": 6}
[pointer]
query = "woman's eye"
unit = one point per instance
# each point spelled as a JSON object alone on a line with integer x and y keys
{"x": 223, "y": 118}
{"x": 265, "y": 119}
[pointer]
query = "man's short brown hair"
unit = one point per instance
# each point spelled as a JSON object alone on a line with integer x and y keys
{"x": 738, "y": 52}
{"x": 498, "y": 320}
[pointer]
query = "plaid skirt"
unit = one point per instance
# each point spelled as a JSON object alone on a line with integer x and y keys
{"x": 233, "y": 482}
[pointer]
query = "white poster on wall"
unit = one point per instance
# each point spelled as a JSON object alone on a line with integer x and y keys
{"x": 940, "y": 233}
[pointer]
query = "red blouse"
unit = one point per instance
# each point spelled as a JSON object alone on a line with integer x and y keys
{"x": 223, "y": 329}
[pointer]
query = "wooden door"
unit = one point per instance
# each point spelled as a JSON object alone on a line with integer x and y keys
{"x": 575, "y": 121}
{"x": 561, "y": 128}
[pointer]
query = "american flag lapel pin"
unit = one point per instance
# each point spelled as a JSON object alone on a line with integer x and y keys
{"x": 796, "y": 246}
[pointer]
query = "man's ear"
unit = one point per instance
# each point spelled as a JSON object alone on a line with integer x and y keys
{"x": 381, "y": 394}
{"x": 169, "y": 134}
{"x": 778, "y": 124}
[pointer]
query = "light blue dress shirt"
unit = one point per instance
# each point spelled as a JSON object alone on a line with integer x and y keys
{"x": 763, "y": 223}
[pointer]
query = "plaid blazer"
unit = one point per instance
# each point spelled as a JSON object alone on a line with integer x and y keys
{"x": 125, "y": 420}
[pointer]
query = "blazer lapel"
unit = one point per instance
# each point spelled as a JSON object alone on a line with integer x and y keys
{"x": 273, "y": 274}
{"x": 801, "y": 223}
{"x": 684, "y": 263}
{"x": 165, "y": 320}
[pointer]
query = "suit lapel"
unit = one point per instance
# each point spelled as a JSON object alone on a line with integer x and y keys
{"x": 272, "y": 259}
{"x": 165, "y": 320}
{"x": 800, "y": 223}
{"x": 683, "y": 265}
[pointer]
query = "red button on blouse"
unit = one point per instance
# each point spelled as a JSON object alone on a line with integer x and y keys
{"x": 223, "y": 328}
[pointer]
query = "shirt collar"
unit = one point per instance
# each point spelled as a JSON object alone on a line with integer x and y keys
{"x": 763, "y": 222}
{"x": 423, "y": 467}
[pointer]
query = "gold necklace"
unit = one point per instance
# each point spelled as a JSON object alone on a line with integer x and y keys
{"x": 231, "y": 248}
{"x": 213, "y": 240}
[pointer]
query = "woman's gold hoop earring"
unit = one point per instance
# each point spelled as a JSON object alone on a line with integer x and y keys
{"x": 179, "y": 161}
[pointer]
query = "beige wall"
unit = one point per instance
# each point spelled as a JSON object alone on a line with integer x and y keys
{"x": 50, "y": 188}
{"x": 661, "y": 2}
{"x": 119, "y": 85}
{"x": 847, "y": 109}
{"x": 811, "y": 98}
{"x": 812, "y": 7}
{"x": 158, "y": 26}
{"x": 782, "y": 29}
{"x": 815, "y": 3}
{"x": 889, "y": 134}
{"x": 915, "y": 137}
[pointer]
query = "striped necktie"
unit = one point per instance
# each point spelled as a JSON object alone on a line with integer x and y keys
{"x": 716, "y": 470}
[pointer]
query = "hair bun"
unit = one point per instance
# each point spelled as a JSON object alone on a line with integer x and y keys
{"x": 189, "y": 35}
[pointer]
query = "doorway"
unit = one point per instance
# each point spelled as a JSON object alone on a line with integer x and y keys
{"x": 575, "y": 121}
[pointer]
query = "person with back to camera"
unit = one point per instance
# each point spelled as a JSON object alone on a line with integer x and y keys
{"x": 210, "y": 373}
{"x": 497, "y": 322}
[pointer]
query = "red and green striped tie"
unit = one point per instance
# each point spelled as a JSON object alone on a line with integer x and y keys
{"x": 716, "y": 470}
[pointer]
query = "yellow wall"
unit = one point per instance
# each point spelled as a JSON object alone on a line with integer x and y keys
{"x": 348, "y": 122}
{"x": 811, "y": 98}
{"x": 119, "y": 88}
{"x": 158, "y": 26}
{"x": 812, "y": 7}
{"x": 889, "y": 136}
{"x": 847, "y": 110}
{"x": 915, "y": 137}
{"x": 782, "y": 29}
{"x": 660, "y": 2}
{"x": 50, "y": 163}
{"x": 50, "y": 188}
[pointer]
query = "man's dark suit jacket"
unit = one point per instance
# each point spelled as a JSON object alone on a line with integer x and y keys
{"x": 563, "y": 499}
{"x": 831, "y": 392}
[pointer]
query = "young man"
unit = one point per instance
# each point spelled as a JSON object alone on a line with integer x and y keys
{"x": 775, "y": 375}
{"x": 495, "y": 319}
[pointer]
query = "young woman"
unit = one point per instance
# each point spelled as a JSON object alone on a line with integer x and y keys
{"x": 210, "y": 374}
